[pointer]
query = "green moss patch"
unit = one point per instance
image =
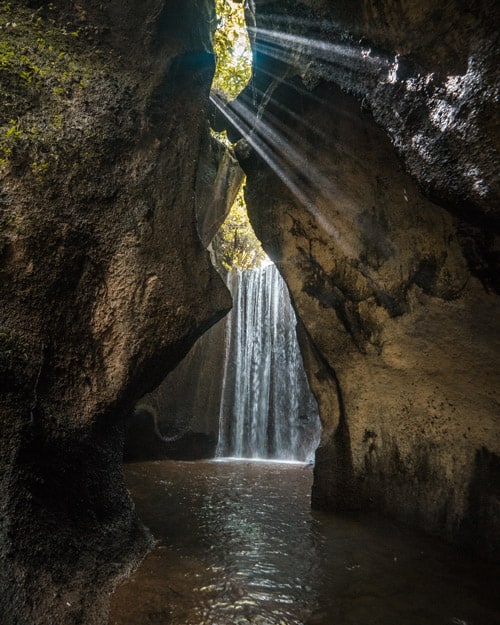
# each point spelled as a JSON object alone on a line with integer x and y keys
{"x": 44, "y": 67}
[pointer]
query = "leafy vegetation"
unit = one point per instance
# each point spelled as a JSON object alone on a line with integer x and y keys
{"x": 235, "y": 245}
{"x": 232, "y": 49}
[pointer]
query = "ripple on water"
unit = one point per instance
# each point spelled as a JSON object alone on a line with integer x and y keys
{"x": 238, "y": 544}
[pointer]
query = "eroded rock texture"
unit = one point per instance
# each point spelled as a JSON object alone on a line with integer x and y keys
{"x": 104, "y": 282}
{"x": 180, "y": 419}
{"x": 372, "y": 180}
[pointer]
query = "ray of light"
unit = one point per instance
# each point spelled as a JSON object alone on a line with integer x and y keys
{"x": 280, "y": 45}
{"x": 283, "y": 148}
{"x": 287, "y": 163}
{"x": 263, "y": 150}
{"x": 285, "y": 54}
{"x": 313, "y": 130}
{"x": 274, "y": 135}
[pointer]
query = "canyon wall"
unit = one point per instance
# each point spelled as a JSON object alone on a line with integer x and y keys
{"x": 104, "y": 282}
{"x": 180, "y": 419}
{"x": 371, "y": 156}
{"x": 371, "y": 153}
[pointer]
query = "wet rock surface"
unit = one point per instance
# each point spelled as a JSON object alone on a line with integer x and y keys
{"x": 429, "y": 76}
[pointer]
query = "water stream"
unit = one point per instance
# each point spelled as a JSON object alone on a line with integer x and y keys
{"x": 267, "y": 409}
{"x": 238, "y": 544}
{"x": 237, "y": 541}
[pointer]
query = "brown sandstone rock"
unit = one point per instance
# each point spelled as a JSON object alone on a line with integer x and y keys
{"x": 396, "y": 291}
{"x": 104, "y": 282}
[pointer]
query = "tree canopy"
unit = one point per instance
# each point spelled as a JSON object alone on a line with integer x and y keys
{"x": 235, "y": 245}
{"x": 232, "y": 49}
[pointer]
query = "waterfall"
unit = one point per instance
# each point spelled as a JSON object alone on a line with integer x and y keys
{"x": 267, "y": 409}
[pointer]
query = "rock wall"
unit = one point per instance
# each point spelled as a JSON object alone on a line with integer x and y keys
{"x": 218, "y": 182}
{"x": 371, "y": 158}
{"x": 180, "y": 419}
{"x": 104, "y": 282}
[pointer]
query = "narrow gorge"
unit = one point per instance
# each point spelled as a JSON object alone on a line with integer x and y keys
{"x": 368, "y": 136}
{"x": 241, "y": 391}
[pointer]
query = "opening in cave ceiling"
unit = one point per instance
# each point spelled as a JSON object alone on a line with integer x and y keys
{"x": 232, "y": 49}
{"x": 235, "y": 245}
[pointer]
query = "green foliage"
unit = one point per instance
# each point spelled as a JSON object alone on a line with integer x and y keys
{"x": 232, "y": 49}
{"x": 11, "y": 134}
{"x": 235, "y": 245}
{"x": 36, "y": 54}
{"x": 14, "y": 136}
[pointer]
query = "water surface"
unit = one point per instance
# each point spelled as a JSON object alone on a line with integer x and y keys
{"x": 239, "y": 545}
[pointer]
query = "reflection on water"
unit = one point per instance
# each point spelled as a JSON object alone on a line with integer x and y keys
{"x": 239, "y": 545}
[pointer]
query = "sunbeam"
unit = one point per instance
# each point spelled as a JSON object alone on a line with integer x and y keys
{"x": 246, "y": 130}
{"x": 288, "y": 164}
{"x": 306, "y": 126}
{"x": 288, "y": 154}
{"x": 281, "y": 45}
{"x": 277, "y": 142}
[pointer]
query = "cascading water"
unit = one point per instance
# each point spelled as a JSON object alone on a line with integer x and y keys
{"x": 267, "y": 409}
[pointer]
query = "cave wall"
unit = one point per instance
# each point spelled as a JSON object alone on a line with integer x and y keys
{"x": 180, "y": 418}
{"x": 104, "y": 282}
{"x": 218, "y": 181}
{"x": 371, "y": 156}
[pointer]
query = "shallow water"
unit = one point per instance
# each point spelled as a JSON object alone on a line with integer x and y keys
{"x": 239, "y": 545}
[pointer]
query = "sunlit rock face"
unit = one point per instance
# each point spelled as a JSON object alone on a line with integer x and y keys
{"x": 218, "y": 181}
{"x": 104, "y": 281}
{"x": 428, "y": 74}
{"x": 372, "y": 182}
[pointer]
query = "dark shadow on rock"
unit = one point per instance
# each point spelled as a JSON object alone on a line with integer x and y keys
{"x": 480, "y": 527}
{"x": 334, "y": 482}
{"x": 144, "y": 441}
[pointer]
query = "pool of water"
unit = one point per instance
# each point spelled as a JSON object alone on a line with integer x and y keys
{"x": 237, "y": 544}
